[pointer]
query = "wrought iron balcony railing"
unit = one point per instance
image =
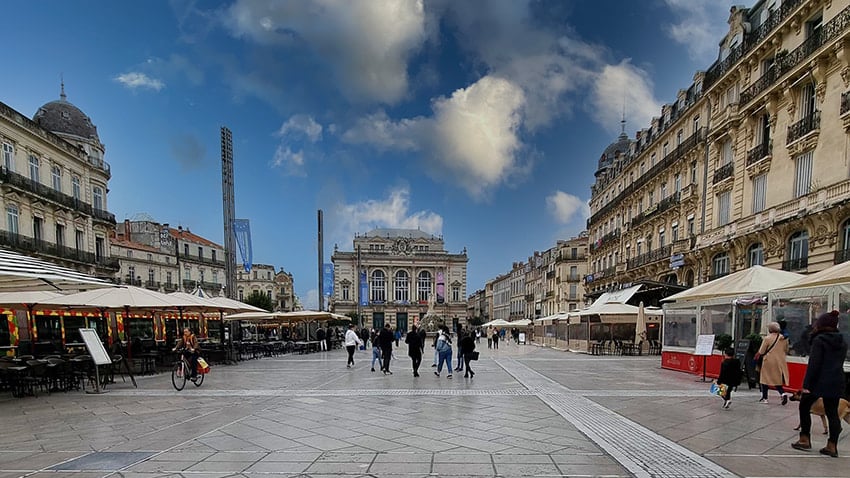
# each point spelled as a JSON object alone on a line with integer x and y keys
{"x": 724, "y": 172}
{"x": 795, "y": 264}
{"x": 842, "y": 256}
{"x": 759, "y": 152}
{"x": 803, "y": 127}
{"x": 39, "y": 246}
{"x": 652, "y": 256}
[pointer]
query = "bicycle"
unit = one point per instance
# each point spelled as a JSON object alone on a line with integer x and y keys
{"x": 182, "y": 371}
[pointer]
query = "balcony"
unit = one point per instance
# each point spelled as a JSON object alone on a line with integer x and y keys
{"x": 210, "y": 286}
{"x": 803, "y": 127}
{"x": 663, "y": 205}
{"x": 842, "y": 256}
{"x": 103, "y": 216}
{"x": 717, "y": 275}
{"x": 26, "y": 184}
{"x": 169, "y": 287}
{"x": 649, "y": 257}
{"x": 202, "y": 260}
{"x": 189, "y": 285}
{"x": 550, "y": 274}
{"x": 724, "y": 172}
{"x": 606, "y": 239}
{"x": 152, "y": 285}
{"x": 130, "y": 281}
{"x": 759, "y": 152}
{"x": 792, "y": 265}
{"x": 42, "y": 247}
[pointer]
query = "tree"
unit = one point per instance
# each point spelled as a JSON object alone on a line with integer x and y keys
{"x": 260, "y": 299}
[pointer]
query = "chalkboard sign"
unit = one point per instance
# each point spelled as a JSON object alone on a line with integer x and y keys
{"x": 741, "y": 347}
{"x": 705, "y": 345}
{"x": 95, "y": 347}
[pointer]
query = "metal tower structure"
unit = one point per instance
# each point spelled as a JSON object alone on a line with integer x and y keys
{"x": 229, "y": 209}
{"x": 321, "y": 264}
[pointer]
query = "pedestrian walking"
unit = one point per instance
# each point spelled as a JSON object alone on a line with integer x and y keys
{"x": 351, "y": 343}
{"x": 397, "y": 337}
{"x": 478, "y": 335}
{"x": 730, "y": 375}
{"x": 467, "y": 348}
{"x": 460, "y": 336}
{"x": 496, "y": 340}
{"x": 489, "y": 337}
{"x": 320, "y": 336}
{"x": 385, "y": 340}
{"x": 773, "y": 371}
{"x": 423, "y": 335}
{"x": 414, "y": 349}
{"x": 376, "y": 355}
{"x": 824, "y": 379}
{"x": 444, "y": 351}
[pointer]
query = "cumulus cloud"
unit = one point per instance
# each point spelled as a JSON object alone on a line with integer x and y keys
{"x": 564, "y": 206}
{"x": 392, "y": 212}
{"x": 700, "y": 26}
{"x": 310, "y": 300}
{"x": 188, "y": 151}
{"x": 303, "y": 125}
{"x": 366, "y": 43}
{"x": 291, "y": 162}
{"x": 137, "y": 80}
{"x": 384, "y": 133}
{"x": 619, "y": 86}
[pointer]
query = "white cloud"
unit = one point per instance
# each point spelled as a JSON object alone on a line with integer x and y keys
{"x": 310, "y": 301}
{"x": 292, "y": 162}
{"x": 367, "y": 43}
{"x": 392, "y": 212}
{"x": 700, "y": 26}
{"x": 564, "y": 206}
{"x": 136, "y": 80}
{"x": 622, "y": 85}
{"x": 302, "y": 125}
{"x": 381, "y": 131}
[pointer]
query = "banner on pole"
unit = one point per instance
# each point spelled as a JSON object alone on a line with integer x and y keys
{"x": 328, "y": 279}
{"x": 364, "y": 289}
{"x": 242, "y": 231}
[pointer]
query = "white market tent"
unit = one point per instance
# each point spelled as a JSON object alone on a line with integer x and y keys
{"x": 21, "y": 273}
{"x": 497, "y": 323}
{"x": 753, "y": 280}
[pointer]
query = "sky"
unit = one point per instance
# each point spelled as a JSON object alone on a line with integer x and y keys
{"x": 481, "y": 121}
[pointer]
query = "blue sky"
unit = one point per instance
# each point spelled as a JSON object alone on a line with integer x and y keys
{"x": 479, "y": 120}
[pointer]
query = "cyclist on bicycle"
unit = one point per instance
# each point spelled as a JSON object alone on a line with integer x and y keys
{"x": 188, "y": 346}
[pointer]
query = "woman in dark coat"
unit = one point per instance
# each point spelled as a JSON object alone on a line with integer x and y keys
{"x": 824, "y": 379}
{"x": 414, "y": 349}
{"x": 467, "y": 346}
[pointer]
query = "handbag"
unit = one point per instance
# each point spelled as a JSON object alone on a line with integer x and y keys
{"x": 760, "y": 357}
{"x": 474, "y": 355}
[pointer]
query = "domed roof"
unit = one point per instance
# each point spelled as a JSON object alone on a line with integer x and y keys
{"x": 621, "y": 146}
{"x": 64, "y": 118}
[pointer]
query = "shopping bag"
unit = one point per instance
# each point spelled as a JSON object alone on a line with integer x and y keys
{"x": 203, "y": 366}
{"x": 717, "y": 389}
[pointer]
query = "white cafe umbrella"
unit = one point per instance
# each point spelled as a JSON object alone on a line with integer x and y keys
{"x": 640, "y": 325}
{"x": 20, "y": 272}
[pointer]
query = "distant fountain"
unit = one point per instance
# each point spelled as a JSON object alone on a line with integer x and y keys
{"x": 431, "y": 320}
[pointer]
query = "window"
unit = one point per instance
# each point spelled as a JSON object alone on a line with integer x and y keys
{"x": 455, "y": 293}
{"x": 664, "y": 190}
{"x": 129, "y": 253}
{"x": 661, "y": 238}
{"x": 150, "y": 276}
{"x": 34, "y": 168}
{"x": 215, "y": 277}
{"x": 724, "y": 205}
{"x": 346, "y": 292}
{"x": 665, "y": 149}
{"x": 131, "y": 274}
{"x": 679, "y": 137}
{"x": 9, "y": 156}
{"x": 652, "y": 159}
{"x": 720, "y": 265}
{"x": 803, "y": 177}
{"x": 674, "y": 232}
{"x": 56, "y": 175}
{"x": 402, "y": 286}
{"x": 759, "y": 192}
{"x": 726, "y": 152}
{"x": 642, "y": 168}
{"x": 573, "y": 273}
{"x": 60, "y": 235}
{"x": 573, "y": 291}
{"x": 807, "y": 100}
{"x": 764, "y": 130}
{"x": 186, "y": 250}
{"x": 213, "y": 255}
{"x": 732, "y": 95}
{"x": 693, "y": 172}
{"x": 755, "y": 255}
{"x": 201, "y": 256}
{"x": 150, "y": 257}
{"x": 97, "y": 197}
{"x": 241, "y": 295}
{"x": 38, "y": 228}
{"x": 187, "y": 273}
{"x": 677, "y": 182}
{"x": 845, "y": 235}
{"x": 99, "y": 248}
{"x": 168, "y": 278}
{"x": 798, "y": 251}
{"x": 423, "y": 286}
{"x": 696, "y": 124}
{"x": 378, "y": 286}
{"x": 12, "y": 218}
{"x": 201, "y": 274}
{"x": 75, "y": 187}
{"x": 79, "y": 242}
{"x": 691, "y": 226}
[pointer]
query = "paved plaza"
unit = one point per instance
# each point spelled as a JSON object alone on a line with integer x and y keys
{"x": 529, "y": 411}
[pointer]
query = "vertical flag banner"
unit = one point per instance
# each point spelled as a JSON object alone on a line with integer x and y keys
{"x": 441, "y": 288}
{"x": 328, "y": 279}
{"x": 242, "y": 231}
{"x": 364, "y": 289}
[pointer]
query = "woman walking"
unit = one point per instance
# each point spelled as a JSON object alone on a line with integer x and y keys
{"x": 773, "y": 371}
{"x": 824, "y": 379}
{"x": 444, "y": 349}
{"x": 467, "y": 346}
{"x": 351, "y": 343}
{"x": 414, "y": 349}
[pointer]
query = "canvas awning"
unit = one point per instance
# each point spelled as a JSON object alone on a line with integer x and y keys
{"x": 19, "y": 272}
{"x": 614, "y": 308}
{"x": 122, "y": 297}
{"x": 836, "y": 275}
{"x": 753, "y": 280}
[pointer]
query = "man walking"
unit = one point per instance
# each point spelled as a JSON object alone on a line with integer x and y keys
{"x": 414, "y": 349}
{"x": 320, "y": 336}
{"x": 351, "y": 343}
{"x": 385, "y": 340}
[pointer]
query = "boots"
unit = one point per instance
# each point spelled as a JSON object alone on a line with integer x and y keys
{"x": 804, "y": 443}
{"x": 830, "y": 449}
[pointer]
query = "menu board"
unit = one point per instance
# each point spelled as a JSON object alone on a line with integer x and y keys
{"x": 95, "y": 347}
{"x": 705, "y": 345}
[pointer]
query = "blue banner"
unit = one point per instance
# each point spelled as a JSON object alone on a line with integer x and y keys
{"x": 242, "y": 231}
{"x": 328, "y": 279}
{"x": 364, "y": 289}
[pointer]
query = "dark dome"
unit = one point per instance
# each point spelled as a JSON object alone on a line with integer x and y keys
{"x": 63, "y": 117}
{"x": 621, "y": 146}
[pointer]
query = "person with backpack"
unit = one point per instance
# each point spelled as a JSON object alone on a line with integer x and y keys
{"x": 444, "y": 351}
{"x": 730, "y": 375}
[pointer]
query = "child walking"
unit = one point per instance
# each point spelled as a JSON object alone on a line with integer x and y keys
{"x": 730, "y": 375}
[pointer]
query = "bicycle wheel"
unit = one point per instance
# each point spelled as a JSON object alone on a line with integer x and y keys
{"x": 178, "y": 375}
{"x": 199, "y": 379}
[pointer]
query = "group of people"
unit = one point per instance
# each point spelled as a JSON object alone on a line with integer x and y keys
{"x": 824, "y": 379}
{"x": 494, "y": 335}
{"x": 382, "y": 348}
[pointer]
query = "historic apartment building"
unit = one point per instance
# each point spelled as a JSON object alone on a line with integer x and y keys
{"x": 570, "y": 270}
{"x": 143, "y": 265}
{"x": 398, "y": 275}
{"x": 53, "y": 188}
{"x": 260, "y": 279}
{"x": 286, "y": 301}
{"x": 748, "y": 166}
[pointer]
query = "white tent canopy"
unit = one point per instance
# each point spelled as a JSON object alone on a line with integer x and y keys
{"x": 11, "y": 299}
{"x": 835, "y": 275}
{"x": 558, "y": 316}
{"x": 614, "y": 308}
{"x": 200, "y": 302}
{"x": 19, "y": 272}
{"x": 497, "y": 323}
{"x": 753, "y": 280}
{"x": 123, "y": 297}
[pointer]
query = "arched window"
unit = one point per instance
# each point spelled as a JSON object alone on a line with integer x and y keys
{"x": 798, "y": 252}
{"x": 379, "y": 286}
{"x": 423, "y": 286}
{"x": 755, "y": 255}
{"x": 844, "y": 254}
{"x": 719, "y": 265}
{"x": 402, "y": 286}
{"x": 689, "y": 279}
